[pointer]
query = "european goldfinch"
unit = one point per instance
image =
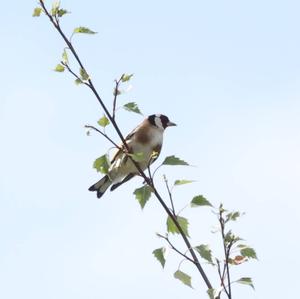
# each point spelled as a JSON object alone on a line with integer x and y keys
{"x": 144, "y": 140}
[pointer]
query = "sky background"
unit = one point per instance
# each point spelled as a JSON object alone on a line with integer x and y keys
{"x": 227, "y": 72}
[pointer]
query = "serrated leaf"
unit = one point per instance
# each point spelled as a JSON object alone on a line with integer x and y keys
{"x": 132, "y": 107}
{"x": 232, "y": 216}
{"x": 84, "y": 30}
{"x": 37, "y": 12}
{"x": 102, "y": 164}
{"x": 159, "y": 253}
{"x": 103, "y": 121}
{"x": 172, "y": 160}
{"x": 182, "y": 182}
{"x": 204, "y": 252}
{"x": 78, "y": 81}
{"x": 64, "y": 57}
{"x": 248, "y": 252}
{"x": 143, "y": 194}
{"x": 246, "y": 281}
{"x": 200, "y": 200}
{"x": 59, "y": 68}
{"x": 184, "y": 278}
{"x": 126, "y": 77}
{"x": 61, "y": 12}
{"x": 83, "y": 74}
{"x": 172, "y": 228}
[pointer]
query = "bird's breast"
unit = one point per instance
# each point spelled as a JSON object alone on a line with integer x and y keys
{"x": 148, "y": 141}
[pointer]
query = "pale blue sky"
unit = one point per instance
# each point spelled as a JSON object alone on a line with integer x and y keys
{"x": 226, "y": 71}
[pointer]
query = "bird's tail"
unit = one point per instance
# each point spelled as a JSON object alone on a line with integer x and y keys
{"x": 101, "y": 186}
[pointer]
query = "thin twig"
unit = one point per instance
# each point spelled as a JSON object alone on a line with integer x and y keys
{"x": 170, "y": 195}
{"x": 150, "y": 174}
{"x": 152, "y": 159}
{"x": 224, "y": 271}
{"x": 178, "y": 251}
{"x": 73, "y": 73}
{"x": 221, "y": 276}
{"x": 104, "y": 135}
{"x": 116, "y": 93}
{"x": 183, "y": 209}
{"x": 227, "y": 269}
{"x": 226, "y": 248}
{"x": 184, "y": 260}
{"x": 154, "y": 172}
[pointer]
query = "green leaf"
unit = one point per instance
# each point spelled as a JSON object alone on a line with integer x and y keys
{"x": 229, "y": 237}
{"x": 55, "y": 8}
{"x": 143, "y": 194}
{"x": 200, "y": 200}
{"x": 161, "y": 236}
{"x": 84, "y": 75}
{"x": 61, "y": 12}
{"x": 103, "y": 121}
{"x": 182, "y": 182}
{"x": 126, "y": 77}
{"x": 78, "y": 81}
{"x": 59, "y": 68}
{"x": 132, "y": 107}
{"x": 64, "y": 57}
{"x": 232, "y": 216}
{"x": 102, "y": 164}
{"x": 248, "y": 252}
{"x": 184, "y": 278}
{"x": 159, "y": 253}
{"x": 247, "y": 281}
{"x": 211, "y": 293}
{"x": 172, "y": 160}
{"x": 37, "y": 12}
{"x": 172, "y": 228}
{"x": 204, "y": 252}
{"x": 84, "y": 30}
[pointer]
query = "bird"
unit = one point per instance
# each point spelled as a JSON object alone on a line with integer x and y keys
{"x": 144, "y": 142}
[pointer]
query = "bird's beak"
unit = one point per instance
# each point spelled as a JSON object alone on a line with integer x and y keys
{"x": 170, "y": 124}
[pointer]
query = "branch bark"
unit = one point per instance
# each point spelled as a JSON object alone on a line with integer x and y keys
{"x": 227, "y": 248}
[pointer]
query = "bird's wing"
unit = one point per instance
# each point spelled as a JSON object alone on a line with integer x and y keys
{"x": 127, "y": 178}
{"x": 122, "y": 147}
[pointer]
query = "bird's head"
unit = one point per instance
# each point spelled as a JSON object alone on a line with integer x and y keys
{"x": 161, "y": 121}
